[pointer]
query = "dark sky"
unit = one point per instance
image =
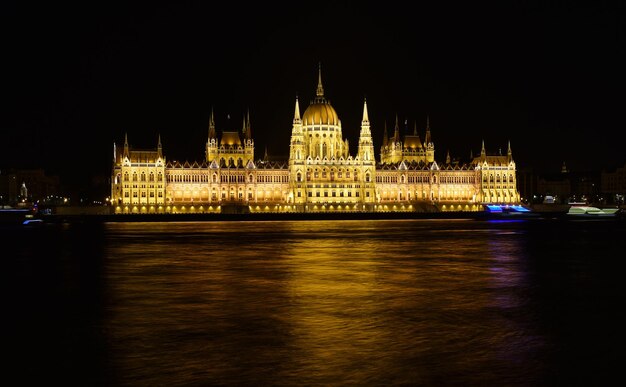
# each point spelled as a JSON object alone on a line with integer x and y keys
{"x": 78, "y": 76}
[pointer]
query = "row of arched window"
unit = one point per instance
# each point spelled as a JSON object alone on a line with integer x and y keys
{"x": 497, "y": 178}
{"x": 142, "y": 176}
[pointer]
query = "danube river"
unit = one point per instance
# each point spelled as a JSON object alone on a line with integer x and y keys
{"x": 382, "y": 302}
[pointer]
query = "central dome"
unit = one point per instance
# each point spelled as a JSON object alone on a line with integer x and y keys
{"x": 320, "y": 113}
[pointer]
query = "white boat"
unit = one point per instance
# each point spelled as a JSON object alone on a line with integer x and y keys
{"x": 591, "y": 211}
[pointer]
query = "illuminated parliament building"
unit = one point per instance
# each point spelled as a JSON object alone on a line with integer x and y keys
{"x": 321, "y": 175}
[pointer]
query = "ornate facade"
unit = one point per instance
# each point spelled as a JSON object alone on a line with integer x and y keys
{"x": 320, "y": 175}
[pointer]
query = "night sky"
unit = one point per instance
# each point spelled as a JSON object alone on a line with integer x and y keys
{"x": 551, "y": 79}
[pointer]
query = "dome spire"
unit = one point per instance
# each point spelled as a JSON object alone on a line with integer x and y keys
{"x": 320, "y": 88}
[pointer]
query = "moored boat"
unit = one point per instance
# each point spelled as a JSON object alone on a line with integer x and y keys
{"x": 590, "y": 211}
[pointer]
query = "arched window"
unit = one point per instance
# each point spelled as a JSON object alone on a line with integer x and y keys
{"x": 143, "y": 176}
{"x": 215, "y": 177}
{"x": 299, "y": 177}
{"x": 160, "y": 177}
{"x": 367, "y": 177}
{"x": 491, "y": 178}
{"x": 510, "y": 178}
{"x": 125, "y": 176}
{"x": 151, "y": 177}
{"x": 134, "y": 176}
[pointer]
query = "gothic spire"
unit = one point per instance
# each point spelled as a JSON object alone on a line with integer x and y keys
{"x": 248, "y": 128}
{"x": 482, "y": 150}
{"x": 159, "y": 147}
{"x": 427, "y": 140}
{"x": 211, "y": 125}
{"x": 296, "y": 113}
{"x": 366, "y": 119}
{"x": 126, "y": 153}
{"x": 396, "y": 132}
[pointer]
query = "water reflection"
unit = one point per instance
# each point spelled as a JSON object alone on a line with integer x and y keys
{"x": 329, "y": 303}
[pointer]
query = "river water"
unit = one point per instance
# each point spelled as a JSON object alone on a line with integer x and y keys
{"x": 382, "y": 302}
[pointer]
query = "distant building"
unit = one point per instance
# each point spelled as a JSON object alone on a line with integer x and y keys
{"x": 570, "y": 186}
{"x": 319, "y": 175}
{"x": 27, "y": 184}
{"x": 557, "y": 186}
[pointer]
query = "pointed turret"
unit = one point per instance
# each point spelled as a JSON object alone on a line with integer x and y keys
{"x": 415, "y": 128}
{"x": 159, "y": 147}
{"x": 212, "y": 126}
{"x": 396, "y": 132}
{"x": 471, "y": 155}
{"x": 448, "y": 157}
{"x": 427, "y": 140}
{"x": 508, "y": 152}
{"x": 248, "y": 127}
{"x": 482, "y": 150}
{"x": 126, "y": 153}
{"x": 114, "y": 152}
{"x": 366, "y": 145}
{"x": 296, "y": 113}
{"x": 366, "y": 120}
{"x": 265, "y": 157}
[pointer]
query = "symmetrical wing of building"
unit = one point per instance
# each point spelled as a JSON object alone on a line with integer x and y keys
{"x": 320, "y": 175}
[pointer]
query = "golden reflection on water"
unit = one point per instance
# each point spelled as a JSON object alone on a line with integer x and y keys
{"x": 319, "y": 302}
